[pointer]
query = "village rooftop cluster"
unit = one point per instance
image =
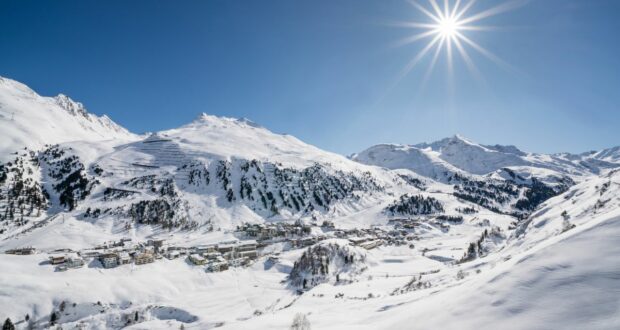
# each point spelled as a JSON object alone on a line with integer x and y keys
{"x": 233, "y": 253}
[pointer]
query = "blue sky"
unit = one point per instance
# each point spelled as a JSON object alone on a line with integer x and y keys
{"x": 325, "y": 71}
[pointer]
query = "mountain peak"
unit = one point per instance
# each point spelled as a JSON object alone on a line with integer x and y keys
{"x": 456, "y": 139}
{"x": 30, "y": 120}
{"x": 211, "y": 120}
{"x": 14, "y": 86}
{"x": 71, "y": 106}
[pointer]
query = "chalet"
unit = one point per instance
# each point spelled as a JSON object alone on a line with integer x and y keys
{"x": 58, "y": 259}
{"x": 208, "y": 248}
{"x": 124, "y": 258}
{"x": 22, "y": 251}
{"x": 173, "y": 254}
{"x": 89, "y": 253}
{"x": 158, "y": 244}
{"x": 144, "y": 258}
{"x": 212, "y": 255}
{"x": 238, "y": 262}
{"x": 197, "y": 259}
{"x": 249, "y": 245}
{"x": 181, "y": 250}
{"x": 252, "y": 230}
{"x": 251, "y": 254}
{"x": 357, "y": 240}
{"x": 109, "y": 260}
{"x": 226, "y": 247}
{"x": 368, "y": 245}
{"x": 74, "y": 262}
{"x": 58, "y": 251}
{"x": 328, "y": 224}
{"x": 269, "y": 233}
{"x": 217, "y": 265}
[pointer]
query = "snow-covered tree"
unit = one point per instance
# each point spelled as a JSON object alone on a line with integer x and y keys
{"x": 300, "y": 322}
{"x": 8, "y": 325}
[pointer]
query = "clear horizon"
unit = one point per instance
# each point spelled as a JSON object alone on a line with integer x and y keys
{"x": 325, "y": 72}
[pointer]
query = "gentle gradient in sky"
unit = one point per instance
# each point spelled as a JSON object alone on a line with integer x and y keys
{"x": 325, "y": 71}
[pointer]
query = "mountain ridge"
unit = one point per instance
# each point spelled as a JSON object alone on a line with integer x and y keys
{"x": 30, "y": 120}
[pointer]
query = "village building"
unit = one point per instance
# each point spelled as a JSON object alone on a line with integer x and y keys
{"x": 246, "y": 246}
{"x": 208, "y": 248}
{"x": 57, "y": 259}
{"x": 368, "y": 245}
{"x": 238, "y": 262}
{"x": 173, "y": 254}
{"x": 149, "y": 249}
{"x": 144, "y": 258}
{"x": 109, "y": 260}
{"x": 227, "y": 250}
{"x": 197, "y": 259}
{"x": 22, "y": 251}
{"x": 217, "y": 265}
{"x": 252, "y": 254}
{"x": 159, "y": 245}
{"x": 89, "y": 253}
{"x": 252, "y": 230}
{"x": 357, "y": 240}
{"x": 74, "y": 262}
{"x": 327, "y": 224}
{"x": 124, "y": 258}
{"x": 212, "y": 255}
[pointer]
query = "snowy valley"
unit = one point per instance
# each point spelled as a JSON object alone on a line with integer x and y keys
{"x": 221, "y": 223}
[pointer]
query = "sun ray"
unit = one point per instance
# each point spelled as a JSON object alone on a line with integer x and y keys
{"x": 468, "y": 61}
{"x": 437, "y": 9}
{"x": 413, "y": 25}
{"x": 449, "y": 54}
{"x": 483, "y": 51}
{"x": 419, "y": 57}
{"x": 494, "y": 11}
{"x": 414, "y": 38}
{"x": 465, "y": 9}
{"x": 450, "y": 20}
{"x": 477, "y": 28}
{"x": 455, "y": 9}
{"x": 431, "y": 67}
{"x": 424, "y": 10}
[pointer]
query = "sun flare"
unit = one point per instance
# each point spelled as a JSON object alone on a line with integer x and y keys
{"x": 447, "y": 27}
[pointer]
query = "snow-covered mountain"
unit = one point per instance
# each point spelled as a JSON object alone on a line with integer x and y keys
{"x": 30, "y": 120}
{"x": 438, "y": 159}
{"x": 447, "y": 234}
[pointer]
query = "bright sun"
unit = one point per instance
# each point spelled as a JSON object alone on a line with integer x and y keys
{"x": 447, "y": 27}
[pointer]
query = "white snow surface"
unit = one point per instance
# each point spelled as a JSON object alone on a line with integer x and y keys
{"x": 458, "y": 153}
{"x": 556, "y": 269}
{"x": 30, "y": 120}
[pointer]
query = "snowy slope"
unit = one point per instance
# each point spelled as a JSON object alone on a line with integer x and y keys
{"x": 228, "y": 138}
{"x": 457, "y": 152}
{"x": 471, "y": 236}
{"x": 393, "y": 156}
{"x": 547, "y": 276}
{"x": 542, "y": 277}
{"x": 30, "y": 120}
